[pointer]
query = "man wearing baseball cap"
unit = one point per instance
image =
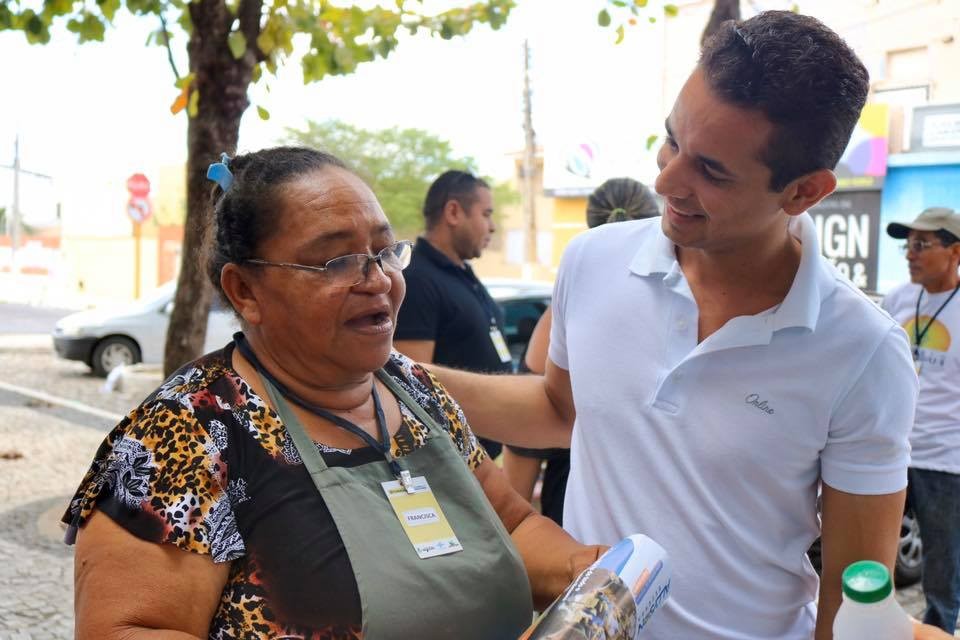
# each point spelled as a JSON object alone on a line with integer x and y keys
{"x": 928, "y": 307}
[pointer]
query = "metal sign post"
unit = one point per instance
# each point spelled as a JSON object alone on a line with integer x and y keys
{"x": 139, "y": 210}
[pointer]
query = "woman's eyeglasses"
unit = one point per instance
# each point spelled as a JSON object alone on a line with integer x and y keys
{"x": 917, "y": 246}
{"x": 351, "y": 270}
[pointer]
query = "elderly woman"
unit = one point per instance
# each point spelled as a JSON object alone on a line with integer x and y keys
{"x": 306, "y": 481}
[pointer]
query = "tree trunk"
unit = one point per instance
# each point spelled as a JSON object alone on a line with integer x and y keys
{"x": 222, "y": 82}
{"x": 723, "y": 10}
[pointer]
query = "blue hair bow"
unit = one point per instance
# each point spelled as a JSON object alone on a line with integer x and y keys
{"x": 219, "y": 172}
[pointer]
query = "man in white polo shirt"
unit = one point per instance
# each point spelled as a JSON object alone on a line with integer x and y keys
{"x": 715, "y": 369}
{"x": 928, "y": 307}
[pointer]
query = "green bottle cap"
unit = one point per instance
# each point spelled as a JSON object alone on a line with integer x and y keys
{"x": 867, "y": 581}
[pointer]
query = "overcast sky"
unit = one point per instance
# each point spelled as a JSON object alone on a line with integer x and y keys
{"x": 90, "y": 115}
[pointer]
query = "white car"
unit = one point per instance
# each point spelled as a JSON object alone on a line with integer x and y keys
{"x": 107, "y": 338}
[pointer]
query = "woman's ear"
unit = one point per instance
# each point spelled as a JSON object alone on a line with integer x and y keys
{"x": 806, "y": 191}
{"x": 236, "y": 284}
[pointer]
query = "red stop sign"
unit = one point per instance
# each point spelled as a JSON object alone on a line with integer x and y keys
{"x": 138, "y": 185}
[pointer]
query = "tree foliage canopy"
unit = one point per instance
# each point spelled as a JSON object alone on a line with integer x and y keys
{"x": 332, "y": 39}
{"x": 398, "y": 164}
{"x": 230, "y": 45}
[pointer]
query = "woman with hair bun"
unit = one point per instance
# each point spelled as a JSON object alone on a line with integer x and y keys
{"x": 616, "y": 200}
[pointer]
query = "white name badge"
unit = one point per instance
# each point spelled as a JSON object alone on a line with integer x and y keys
{"x": 422, "y": 518}
{"x": 500, "y": 344}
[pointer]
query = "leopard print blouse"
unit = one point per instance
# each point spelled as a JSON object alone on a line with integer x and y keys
{"x": 206, "y": 465}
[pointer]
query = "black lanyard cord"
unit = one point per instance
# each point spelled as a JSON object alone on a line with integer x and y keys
{"x": 382, "y": 445}
{"x": 919, "y": 335}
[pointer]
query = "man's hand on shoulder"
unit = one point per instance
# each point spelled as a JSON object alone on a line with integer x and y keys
{"x": 420, "y": 351}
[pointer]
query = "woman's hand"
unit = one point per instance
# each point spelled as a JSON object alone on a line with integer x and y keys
{"x": 928, "y": 632}
{"x": 584, "y": 557}
{"x": 551, "y": 556}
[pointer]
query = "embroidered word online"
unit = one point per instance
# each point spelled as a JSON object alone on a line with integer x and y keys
{"x": 754, "y": 400}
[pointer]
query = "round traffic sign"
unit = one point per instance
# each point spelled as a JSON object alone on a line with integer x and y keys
{"x": 139, "y": 209}
{"x": 138, "y": 185}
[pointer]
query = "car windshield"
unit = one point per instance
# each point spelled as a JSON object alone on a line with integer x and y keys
{"x": 158, "y": 297}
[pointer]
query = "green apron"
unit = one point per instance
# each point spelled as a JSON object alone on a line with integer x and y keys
{"x": 479, "y": 593}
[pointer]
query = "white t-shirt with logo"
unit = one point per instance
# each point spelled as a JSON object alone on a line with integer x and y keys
{"x": 716, "y": 450}
{"x": 935, "y": 439}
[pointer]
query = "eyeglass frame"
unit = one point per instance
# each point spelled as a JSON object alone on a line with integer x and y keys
{"x": 364, "y": 270}
{"x": 919, "y": 246}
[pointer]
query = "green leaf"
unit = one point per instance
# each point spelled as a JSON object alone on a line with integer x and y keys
{"x": 263, "y": 113}
{"x": 795, "y": 8}
{"x": 184, "y": 81}
{"x": 237, "y": 43}
{"x": 194, "y": 105}
{"x": 6, "y": 17}
{"x": 619, "y": 3}
{"x": 108, "y": 8}
{"x": 603, "y": 18}
{"x": 256, "y": 74}
{"x": 671, "y": 10}
{"x": 344, "y": 60}
{"x": 651, "y": 140}
{"x": 640, "y": 3}
{"x": 90, "y": 28}
{"x": 619, "y": 35}
{"x": 652, "y": 19}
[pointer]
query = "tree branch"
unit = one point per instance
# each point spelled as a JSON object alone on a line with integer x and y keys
{"x": 249, "y": 13}
{"x": 166, "y": 43}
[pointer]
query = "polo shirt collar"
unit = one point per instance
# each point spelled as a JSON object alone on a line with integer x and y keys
{"x": 437, "y": 257}
{"x": 813, "y": 282}
{"x": 656, "y": 254}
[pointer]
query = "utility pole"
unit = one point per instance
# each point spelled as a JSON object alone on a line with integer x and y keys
{"x": 529, "y": 166}
{"x": 13, "y": 222}
{"x": 15, "y": 212}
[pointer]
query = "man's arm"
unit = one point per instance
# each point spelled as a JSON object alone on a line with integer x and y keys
{"x": 525, "y": 411}
{"x": 417, "y": 350}
{"x": 854, "y": 527}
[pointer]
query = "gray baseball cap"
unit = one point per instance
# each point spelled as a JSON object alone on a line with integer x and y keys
{"x": 932, "y": 219}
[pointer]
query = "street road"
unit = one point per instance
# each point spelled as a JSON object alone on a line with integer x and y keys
{"x": 26, "y": 319}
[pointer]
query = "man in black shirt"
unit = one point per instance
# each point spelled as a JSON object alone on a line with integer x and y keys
{"x": 448, "y": 317}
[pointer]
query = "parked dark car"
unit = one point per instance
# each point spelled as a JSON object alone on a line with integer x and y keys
{"x": 523, "y": 302}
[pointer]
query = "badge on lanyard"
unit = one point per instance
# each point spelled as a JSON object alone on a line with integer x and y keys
{"x": 421, "y": 518}
{"x": 917, "y": 364}
{"x": 500, "y": 344}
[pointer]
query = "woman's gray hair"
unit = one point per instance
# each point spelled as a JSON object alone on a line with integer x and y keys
{"x": 618, "y": 200}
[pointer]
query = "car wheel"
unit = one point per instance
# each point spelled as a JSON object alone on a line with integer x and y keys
{"x": 112, "y": 352}
{"x": 909, "y": 552}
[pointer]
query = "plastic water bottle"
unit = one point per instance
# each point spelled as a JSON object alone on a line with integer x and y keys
{"x": 869, "y": 610}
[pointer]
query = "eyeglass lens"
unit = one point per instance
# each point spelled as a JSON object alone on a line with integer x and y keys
{"x": 916, "y": 246}
{"x": 352, "y": 269}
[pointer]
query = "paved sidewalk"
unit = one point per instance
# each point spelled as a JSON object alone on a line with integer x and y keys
{"x": 44, "y": 452}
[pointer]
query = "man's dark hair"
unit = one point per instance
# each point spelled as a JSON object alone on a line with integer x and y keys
{"x": 244, "y": 214}
{"x": 945, "y": 237}
{"x": 451, "y": 185}
{"x": 801, "y": 75}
